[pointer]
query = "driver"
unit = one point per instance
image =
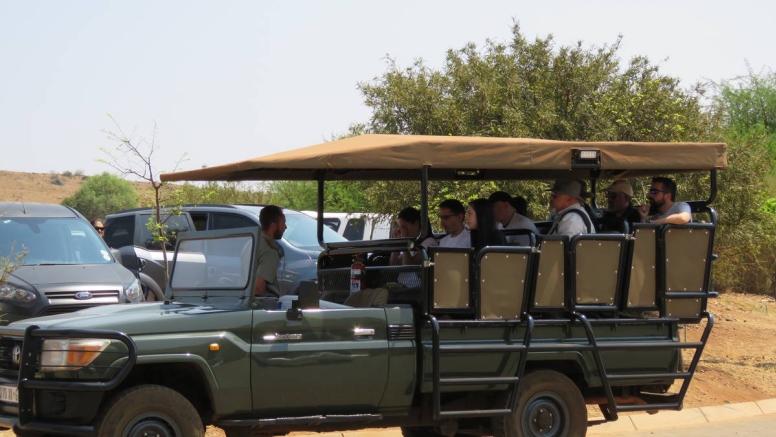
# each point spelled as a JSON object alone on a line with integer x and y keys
{"x": 273, "y": 224}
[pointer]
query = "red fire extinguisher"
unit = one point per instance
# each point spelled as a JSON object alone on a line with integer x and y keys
{"x": 357, "y": 275}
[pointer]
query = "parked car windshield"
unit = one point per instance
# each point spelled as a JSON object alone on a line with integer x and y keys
{"x": 302, "y": 231}
{"x": 52, "y": 241}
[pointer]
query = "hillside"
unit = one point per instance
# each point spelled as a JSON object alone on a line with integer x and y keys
{"x": 42, "y": 187}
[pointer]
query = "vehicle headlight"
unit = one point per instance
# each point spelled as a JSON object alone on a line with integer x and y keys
{"x": 70, "y": 353}
{"x": 134, "y": 292}
{"x": 15, "y": 293}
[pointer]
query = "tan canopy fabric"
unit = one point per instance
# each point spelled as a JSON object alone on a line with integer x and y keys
{"x": 401, "y": 157}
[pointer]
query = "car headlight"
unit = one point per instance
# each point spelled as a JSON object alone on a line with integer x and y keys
{"x": 70, "y": 353}
{"x": 134, "y": 292}
{"x": 15, "y": 293}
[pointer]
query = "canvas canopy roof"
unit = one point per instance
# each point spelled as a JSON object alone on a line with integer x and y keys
{"x": 401, "y": 157}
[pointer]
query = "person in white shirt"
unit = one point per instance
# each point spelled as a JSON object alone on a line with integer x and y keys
{"x": 566, "y": 198}
{"x": 409, "y": 227}
{"x": 662, "y": 195}
{"x": 508, "y": 218}
{"x": 451, "y": 215}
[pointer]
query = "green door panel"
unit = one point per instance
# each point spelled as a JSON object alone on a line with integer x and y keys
{"x": 332, "y": 361}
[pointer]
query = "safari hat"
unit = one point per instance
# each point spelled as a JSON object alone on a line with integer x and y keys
{"x": 571, "y": 187}
{"x": 621, "y": 186}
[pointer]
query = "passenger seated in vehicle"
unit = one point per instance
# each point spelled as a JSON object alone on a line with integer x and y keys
{"x": 662, "y": 196}
{"x": 482, "y": 225}
{"x": 570, "y": 217}
{"x": 451, "y": 215}
{"x": 409, "y": 227}
{"x": 619, "y": 195}
{"x": 508, "y": 218}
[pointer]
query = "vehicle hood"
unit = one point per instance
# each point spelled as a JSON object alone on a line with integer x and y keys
{"x": 144, "y": 318}
{"x": 113, "y": 274}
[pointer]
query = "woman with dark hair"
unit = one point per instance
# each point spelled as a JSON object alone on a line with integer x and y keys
{"x": 409, "y": 227}
{"x": 482, "y": 225}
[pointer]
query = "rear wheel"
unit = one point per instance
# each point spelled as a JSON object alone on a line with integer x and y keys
{"x": 149, "y": 410}
{"x": 549, "y": 404}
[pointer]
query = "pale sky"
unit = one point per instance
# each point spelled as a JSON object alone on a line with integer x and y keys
{"x": 231, "y": 80}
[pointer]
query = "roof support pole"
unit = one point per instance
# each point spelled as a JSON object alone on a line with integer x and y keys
{"x": 319, "y": 176}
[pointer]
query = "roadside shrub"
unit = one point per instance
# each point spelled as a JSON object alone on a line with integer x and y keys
{"x": 101, "y": 195}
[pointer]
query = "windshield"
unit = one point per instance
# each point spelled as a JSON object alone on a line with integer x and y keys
{"x": 302, "y": 231}
{"x": 52, "y": 241}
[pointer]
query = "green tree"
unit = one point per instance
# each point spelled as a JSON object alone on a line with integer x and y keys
{"x": 101, "y": 195}
{"x": 529, "y": 89}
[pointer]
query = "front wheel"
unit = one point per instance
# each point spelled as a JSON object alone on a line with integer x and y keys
{"x": 549, "y": 404}
{"x": 149, "y": 410}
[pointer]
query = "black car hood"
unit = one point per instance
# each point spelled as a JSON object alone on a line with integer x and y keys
{"x": 112, "y": 273}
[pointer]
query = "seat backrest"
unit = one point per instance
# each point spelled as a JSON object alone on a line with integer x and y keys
{"x": 519, "y": 237}
{"x": 641, "y": 291}
{"x": 366, "y": 298}
{"x": 549, "y": 284}
{"x": 450, "y": 278}
{"x": 687, "y": 260}
{"x": 503, "y": 282}
{"x": 597, "y": 264}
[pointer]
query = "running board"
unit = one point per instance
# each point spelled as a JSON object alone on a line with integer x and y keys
{"x": 303, "y": 420}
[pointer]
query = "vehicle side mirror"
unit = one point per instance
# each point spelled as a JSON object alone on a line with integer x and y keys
{"x": 307, "y": 299}
{"x": 116, "y": 254}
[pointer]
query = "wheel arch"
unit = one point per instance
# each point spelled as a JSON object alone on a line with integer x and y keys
{"x": 189, "y": 376}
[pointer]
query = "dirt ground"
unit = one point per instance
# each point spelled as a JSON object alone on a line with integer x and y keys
{"x": 738, "y": 365}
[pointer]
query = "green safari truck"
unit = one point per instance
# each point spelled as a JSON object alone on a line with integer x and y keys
{"x": 509, "y": 341}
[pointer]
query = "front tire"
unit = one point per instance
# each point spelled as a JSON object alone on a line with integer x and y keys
{"x": 549, "y": 404}
{"x": 149, "y": 410}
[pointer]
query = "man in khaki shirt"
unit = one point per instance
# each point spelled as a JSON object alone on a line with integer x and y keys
{"x": 273, "y": 224}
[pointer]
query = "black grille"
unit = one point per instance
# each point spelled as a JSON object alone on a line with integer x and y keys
{"x": 401, "y": 332}
{"x": 6, "y": 353}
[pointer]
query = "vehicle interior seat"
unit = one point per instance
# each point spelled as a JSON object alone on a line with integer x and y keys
{"x": 548, "y": 293}
{"x": 450, "y": 276}
{"x": 503, "y": 281}
{"x": 597, "y": 266}
{"x": 687, "y": 265}
{"x": 368, "y": 297}
{"x": 641, "y": 291}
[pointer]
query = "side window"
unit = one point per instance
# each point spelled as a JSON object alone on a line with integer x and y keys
{"x": 230, "y": 221}
{"x": 199, "y": 219}
{"x": 354, "y": 230}
{"x": 120, "y": 232}
{"x": 333, "y": 223}
{"x": 173, "y": 225}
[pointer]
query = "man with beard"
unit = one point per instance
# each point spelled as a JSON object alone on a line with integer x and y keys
{"x": 273, "y": 224}
{"x": 662, "y": 195}
{"x": 570, "y": 217}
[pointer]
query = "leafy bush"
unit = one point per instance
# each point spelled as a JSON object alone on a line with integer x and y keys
{"x": 101, "y": 195}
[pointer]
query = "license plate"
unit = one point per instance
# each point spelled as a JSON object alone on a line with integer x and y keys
{"x": 9, "y": 394}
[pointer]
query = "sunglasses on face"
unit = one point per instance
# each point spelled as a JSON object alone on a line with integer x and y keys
{"x": 99, "y": 228}
{"x": 654, "y": 191}
{"x": 445, "y": 216}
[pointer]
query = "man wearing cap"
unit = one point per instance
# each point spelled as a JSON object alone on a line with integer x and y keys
{"x": 566, "y": 198}
{"x": 619, "y": 195}
{"x": 508, "y": 218}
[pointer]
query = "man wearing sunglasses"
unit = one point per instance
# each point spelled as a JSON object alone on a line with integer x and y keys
{"x": 619, "y": 195}
{"x": 662, "y": 195}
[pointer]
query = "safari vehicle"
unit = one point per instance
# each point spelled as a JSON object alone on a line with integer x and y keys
{"x": 510, "y": 341}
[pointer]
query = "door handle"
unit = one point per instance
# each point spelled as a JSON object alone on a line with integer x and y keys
{"x": 363, "y": 332}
